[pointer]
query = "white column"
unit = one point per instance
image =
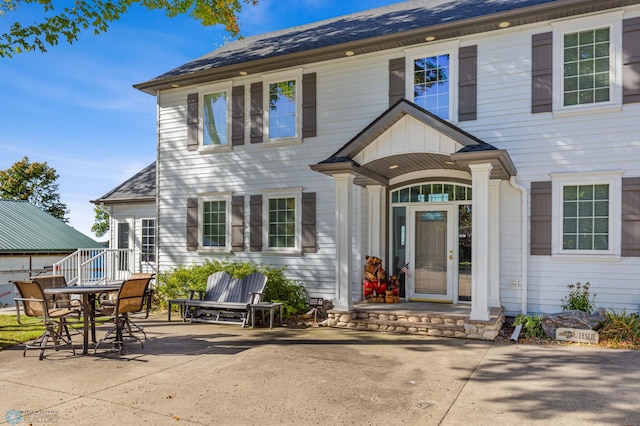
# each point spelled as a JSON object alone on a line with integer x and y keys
{"x": 376, "y": 194}
{"x": 480, "y": 242}
{"x": 494, "y": 243}
{"x": 344, "y": 220}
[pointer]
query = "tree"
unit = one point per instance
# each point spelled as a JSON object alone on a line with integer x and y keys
{"x": 33, "y": 182}
{"x": 101, "y": 223}
{"x": 68, "y": 22}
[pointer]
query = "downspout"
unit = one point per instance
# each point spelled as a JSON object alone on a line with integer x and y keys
{"x": 525, "y": 235}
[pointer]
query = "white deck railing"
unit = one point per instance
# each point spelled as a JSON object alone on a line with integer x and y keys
{"x": 96, "y": 266}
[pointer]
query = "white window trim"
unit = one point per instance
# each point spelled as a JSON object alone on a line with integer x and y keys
{"x": 216, "y": 196}
{"x": 205, "y": 90}
{"x": 611, "y": 177}
{"x": 268, "y": 194}
{"x": 276, "y": 77}
{"x": 155, "y": 245}
{"x": 434, "y": 49}
{"x": 613, "y": 20}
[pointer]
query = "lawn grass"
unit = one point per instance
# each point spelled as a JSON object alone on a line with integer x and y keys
{"x": 12, "y": 333}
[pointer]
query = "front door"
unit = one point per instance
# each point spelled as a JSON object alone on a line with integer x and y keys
{"x": 433, "y": 252}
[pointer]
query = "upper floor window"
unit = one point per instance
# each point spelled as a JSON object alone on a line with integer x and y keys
{"x": 282, "y": 109}
{"x": 215, "y": 119}
{"x": 283, "y": 106}
{"x": 586, "y": 67}
{"x": 587, "y": 63}
{"x": 215, "y": 116}
{"x": 431, "y": 84}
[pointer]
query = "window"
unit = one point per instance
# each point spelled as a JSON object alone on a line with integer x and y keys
{"x": 282, "y": 109}
{"x": 585, "y": 217}
{"x": 586, "y": 67}
{"x": 282, "y": 98}
{"x": 148, "y": 240}
{"x": 434, "y": 81}
{"x": 215, "y": 117}
{"x": 215, "y": 222}
{"x": 283, "y": 224}
{"x": 586, "y": 53}
{"x": 586, "y": 213}
{"x": 431, "y": 84}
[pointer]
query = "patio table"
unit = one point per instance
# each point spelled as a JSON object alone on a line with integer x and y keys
{"x": 88, "y": 293}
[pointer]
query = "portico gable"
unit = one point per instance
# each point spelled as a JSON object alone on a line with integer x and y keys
{"x": 403, "y": 144}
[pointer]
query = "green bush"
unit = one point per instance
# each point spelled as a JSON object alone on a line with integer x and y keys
{"x": 621, "y": 329}
{"x": 531, "y": 324}
{"x": 579, "y": 299}
{"x": 180, "y": 280}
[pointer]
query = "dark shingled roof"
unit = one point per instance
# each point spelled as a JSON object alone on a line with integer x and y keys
{"x": 140, "y": 187}
{"x": 379, "y": 22}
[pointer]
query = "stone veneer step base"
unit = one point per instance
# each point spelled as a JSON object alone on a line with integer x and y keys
{"x": 422, "y": 323}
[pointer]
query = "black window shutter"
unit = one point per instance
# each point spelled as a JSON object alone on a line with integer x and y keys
{"x": 192, "y": 121}
{"x": 192, "y": 224}
{"x": 255, "y": 223}
{"x": 396, "y": 80}
{"x": 237, "y": 115}
{"x": 468, "y": 83}
{"x": 541, "y": 218}
{"x": 309, "y": 121}
{"x": 631, "y": 60}
{"x": 256, "y": 113}
{"x": 630, "y": 217}
{"x": 309, "y": 222}
{"x": 237, "y": 223}
{"x": 542, "y": 72}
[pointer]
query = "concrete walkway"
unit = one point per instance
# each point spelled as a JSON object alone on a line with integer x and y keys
{"x": 205, "y": 374}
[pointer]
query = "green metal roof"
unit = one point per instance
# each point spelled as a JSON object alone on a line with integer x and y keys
{"x": 24, "y": 228}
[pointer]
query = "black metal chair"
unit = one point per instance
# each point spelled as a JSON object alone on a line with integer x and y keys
{"x": 35, "y": 304}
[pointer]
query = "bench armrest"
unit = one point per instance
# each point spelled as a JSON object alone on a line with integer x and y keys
{"x": 193, "y": 293}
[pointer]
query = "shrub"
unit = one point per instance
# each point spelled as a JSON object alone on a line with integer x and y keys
{"x": 579, "y": 299}
{"x": 180, "y": 280}
{"x": 620, "y": 329}
{"x": 532, "y": 325}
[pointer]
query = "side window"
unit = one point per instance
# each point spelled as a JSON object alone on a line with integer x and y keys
{"x": 148, "y": 240}
{"x": 215, "y": 223}
{"x": 586, "y": 212}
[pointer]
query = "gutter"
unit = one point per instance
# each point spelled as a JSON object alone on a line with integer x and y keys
{"x": 525, "y": 234}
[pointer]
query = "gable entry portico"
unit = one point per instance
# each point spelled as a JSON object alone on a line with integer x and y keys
{"x": 408, "y": 144}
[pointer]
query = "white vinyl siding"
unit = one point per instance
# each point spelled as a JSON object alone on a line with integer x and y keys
{"x": 351, "y": 93}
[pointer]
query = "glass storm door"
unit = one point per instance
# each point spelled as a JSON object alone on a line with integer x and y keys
{"x": 432, "y": 253}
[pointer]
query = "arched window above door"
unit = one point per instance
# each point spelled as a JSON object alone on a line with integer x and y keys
{"x": 432, "y": 193}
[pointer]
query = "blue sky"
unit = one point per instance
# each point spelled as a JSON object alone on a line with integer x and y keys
{"x": 75, "y": 108}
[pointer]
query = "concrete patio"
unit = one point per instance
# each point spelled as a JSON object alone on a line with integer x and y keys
{"x": 205, "y": 374}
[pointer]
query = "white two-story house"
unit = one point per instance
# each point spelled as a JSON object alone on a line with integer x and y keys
{"x": 493, "y": 146}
